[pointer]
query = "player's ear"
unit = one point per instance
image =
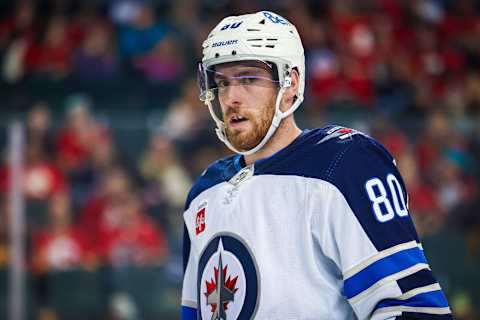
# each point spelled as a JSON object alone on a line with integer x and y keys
{"x": 289, "y": 94}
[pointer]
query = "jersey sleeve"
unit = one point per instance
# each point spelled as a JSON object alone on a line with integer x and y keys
{"x": 189, "y": 295}
{"x": 365, "y": 229}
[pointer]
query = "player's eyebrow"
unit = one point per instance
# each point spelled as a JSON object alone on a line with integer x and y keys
{"x": 219, "y": 76}
{"x": 249, "y": 72}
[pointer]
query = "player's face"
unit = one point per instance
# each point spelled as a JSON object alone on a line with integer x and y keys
{"x": 247, "y": 93}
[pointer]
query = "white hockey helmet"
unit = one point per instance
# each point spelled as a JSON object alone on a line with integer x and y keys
{"x": 263, "y": 36}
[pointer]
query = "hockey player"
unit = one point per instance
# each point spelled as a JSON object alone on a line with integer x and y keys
{"x": 310, "y": 224}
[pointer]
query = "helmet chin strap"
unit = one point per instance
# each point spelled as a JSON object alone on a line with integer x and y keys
{"x": 277, "y": 118}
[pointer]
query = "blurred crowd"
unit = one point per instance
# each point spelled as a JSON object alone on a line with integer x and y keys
{"x": 405, "y": 72}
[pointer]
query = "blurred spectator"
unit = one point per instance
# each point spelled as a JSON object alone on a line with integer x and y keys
{"x": 167, "y": 182}
{"x": 123, "y": 12}
{"x": 128, "y": 237}
{"x": 103, "y": 156}
{"x": 432, "y": 141}
{"x": 423, "y": 201}
{"x": 163, "y": 63}
{"x": 60, "y": 245}
{"x": 323, "y": 65}
{"x": 85, "y": 15}
{"x": 39, "y": 128}
{"x": 77, "y": 142}
{"x": 357, "y": 83}
{"x": 51, "y": 58}
{"x": 186, "y": 116}
{"x": 96, "y": 59}
{"x": 354, "y": 36}
{"x": 114, "y": 184}
{"x": 42, "y": 179}
{"x": 74, "y": 141}
{"x": 185, "y": 16}
{"x": 161, "y": 164}
{"x": 20, "y": 24}
{"x": 188, "y": 123}
{"x": 16, "y": 34}
{"x": 391, "y": 137}
{"x": 142, "y": 33}
{"x": 453, "y": 184}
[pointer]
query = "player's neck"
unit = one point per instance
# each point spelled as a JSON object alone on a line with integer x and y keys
{"x": 286, "y": 133}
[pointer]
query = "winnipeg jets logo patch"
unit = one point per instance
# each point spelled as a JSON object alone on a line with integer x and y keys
{"x": 228, "y": 280}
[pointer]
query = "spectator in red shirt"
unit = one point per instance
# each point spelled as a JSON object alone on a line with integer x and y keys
{"x": 52, "y": 57}
{"x": 60, "y": 245}
{"x": 18, "y": 25}
{"x": 113, "y": 184}
{"x": 437, "y": 134}
{"x": 127, "y": 236}
{"x": 81, "y": 132}
{"x": 41, "y": 178}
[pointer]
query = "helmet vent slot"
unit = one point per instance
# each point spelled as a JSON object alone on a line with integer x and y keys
{"x": 253, "y": 29}
{"x": 262, "y": 21}
{"x": 254, "y": 39}
{"x": 256, "y": 45}
{"x": 270, "y": 46}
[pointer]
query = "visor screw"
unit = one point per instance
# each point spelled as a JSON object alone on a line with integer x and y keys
{"x": 234, "y": 52}
{"x": 217, "y": 55}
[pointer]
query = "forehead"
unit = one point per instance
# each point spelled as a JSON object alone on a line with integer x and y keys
{"x": 231, "y": 68}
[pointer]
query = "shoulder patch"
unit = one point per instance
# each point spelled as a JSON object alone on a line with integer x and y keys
{"x": 340, "y": 133}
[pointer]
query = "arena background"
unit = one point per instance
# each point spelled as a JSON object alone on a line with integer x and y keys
{"x": 114, "y": 136}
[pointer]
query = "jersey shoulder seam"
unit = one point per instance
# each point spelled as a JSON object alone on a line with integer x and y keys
{"x": 336, "y": 161}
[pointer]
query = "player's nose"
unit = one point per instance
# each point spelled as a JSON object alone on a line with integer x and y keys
{"x": 233, "y": 95}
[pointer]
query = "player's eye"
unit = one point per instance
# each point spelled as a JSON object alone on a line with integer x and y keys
{"x": 246, "y": 80}
{"x": 222, "y": 83}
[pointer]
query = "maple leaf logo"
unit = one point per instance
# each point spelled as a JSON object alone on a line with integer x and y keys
{"x": 220, "y": 292}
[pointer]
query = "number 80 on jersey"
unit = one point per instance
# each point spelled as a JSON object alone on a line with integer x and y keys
{"x": 382, "y": 206}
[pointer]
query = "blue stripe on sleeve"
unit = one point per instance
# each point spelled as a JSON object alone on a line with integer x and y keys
{"x": 423, "y": 316}
{"x": 188, "y": 313}
{"x": 382, "y": 268}
{"x": 432, "y": 299}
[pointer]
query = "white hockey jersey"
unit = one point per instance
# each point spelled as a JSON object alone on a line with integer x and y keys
{"x": 319, "y": 230}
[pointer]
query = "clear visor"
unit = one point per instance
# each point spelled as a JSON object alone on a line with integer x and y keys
{"x": 217, "y": 82}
